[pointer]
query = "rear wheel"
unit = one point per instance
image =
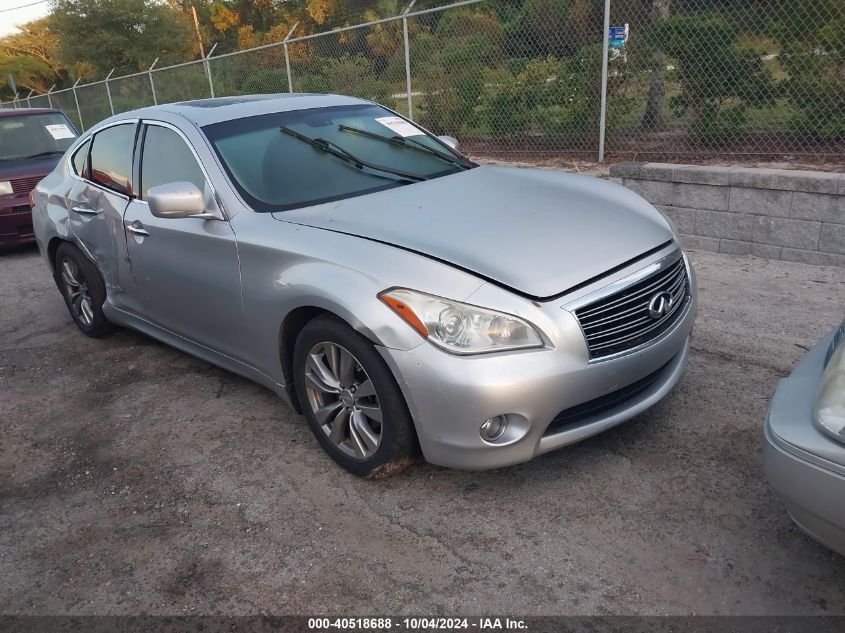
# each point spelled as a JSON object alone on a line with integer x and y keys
{"x": 83, "y": 290}
{"x": 351, "y": 401}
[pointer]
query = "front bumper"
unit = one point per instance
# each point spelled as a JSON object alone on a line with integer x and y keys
{"x": 802, "y": 464}
{"x": 15, "y": 221}
{"x": 449, "y": 397}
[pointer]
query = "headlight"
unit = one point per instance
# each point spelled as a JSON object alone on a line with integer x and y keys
{"x": 460, "y": 328}
{"x": 5, "y": 188}
{"x": 829, "y": 412}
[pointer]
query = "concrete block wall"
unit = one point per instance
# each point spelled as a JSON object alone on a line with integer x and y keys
{"x": 774, "y": 213}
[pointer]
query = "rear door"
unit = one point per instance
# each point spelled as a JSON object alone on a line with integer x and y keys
{"x": 98, "y": 200}
{"x": 185, "y": 270}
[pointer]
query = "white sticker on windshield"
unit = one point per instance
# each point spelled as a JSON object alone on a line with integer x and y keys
{"x": 400, "y": 126}
{"x": 59, "y": 131}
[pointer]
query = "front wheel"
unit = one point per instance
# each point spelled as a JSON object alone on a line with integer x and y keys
{"x": 351, "y": 401}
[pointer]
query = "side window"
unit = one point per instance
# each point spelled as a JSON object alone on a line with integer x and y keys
{"x": 111, "y": 158}
{"x": 80, "y": 160}
{"x": 166, "y": 158}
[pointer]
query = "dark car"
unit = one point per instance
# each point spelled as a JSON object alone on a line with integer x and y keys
{"x": 31, "y": 143}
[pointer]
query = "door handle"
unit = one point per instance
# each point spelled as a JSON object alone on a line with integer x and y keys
{"x": 85, "y": 210}
{"x": 137, "y": 229}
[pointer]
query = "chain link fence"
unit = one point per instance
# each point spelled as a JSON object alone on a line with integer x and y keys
{"x": 181, "y": 83}
{"x": 261, "y": 70}
{"x": 742, "y": 80}
{"x": 544, "y": 80}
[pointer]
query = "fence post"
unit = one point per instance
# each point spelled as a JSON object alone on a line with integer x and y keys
{"x": 287, "y": 57}
{"x": 49, "y": 98}
{"x": 603, "y": 111}
{"x": 208, "y": 69}
{"x": 76, "y": 99}
{"x": 108, "y": 92}
{"x": 408, "y": 60}
{"x": 28, "y": 100}
{"x": 152, "y": 83}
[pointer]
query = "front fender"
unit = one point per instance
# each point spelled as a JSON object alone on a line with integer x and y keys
{"x": 349, "y": 294}
{"x": 285, "y": 266}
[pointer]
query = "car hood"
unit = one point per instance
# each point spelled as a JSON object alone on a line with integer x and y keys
{"x": 28, "y": 167}
{"x": 539, "y": 232}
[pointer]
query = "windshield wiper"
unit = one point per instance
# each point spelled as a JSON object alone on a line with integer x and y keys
{"x": 336, "y": 150}
{"x": 407, "y": 142}
{"x": 40, "y": 154}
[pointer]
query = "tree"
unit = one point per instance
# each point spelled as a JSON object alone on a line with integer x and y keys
{"x": 813, "y": 55}
{"x": 30, "y": 56}
{"x": 718, "y": 78}
{"x": 653, "y": 116}
{"x": 386, "y": 40}
{"x": 123, "y": 34}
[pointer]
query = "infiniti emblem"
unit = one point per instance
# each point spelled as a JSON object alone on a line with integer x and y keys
{"x": 347, "y": 398}
{"x": 660, "y": 305}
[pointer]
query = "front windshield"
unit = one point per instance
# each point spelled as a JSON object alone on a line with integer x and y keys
{"x": 294, "y": 159}
{"x": 30, "y": 135}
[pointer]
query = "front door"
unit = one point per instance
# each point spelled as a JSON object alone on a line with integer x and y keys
{"x": 185, "y": 271}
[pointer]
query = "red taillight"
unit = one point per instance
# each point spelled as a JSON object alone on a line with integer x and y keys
{"x": 32, "y": 198}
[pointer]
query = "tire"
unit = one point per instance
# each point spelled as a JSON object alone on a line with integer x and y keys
{"x": 83, "y": 290}
{"x": 343, "y": 405}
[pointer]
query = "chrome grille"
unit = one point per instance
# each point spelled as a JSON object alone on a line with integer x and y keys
{"x": 25, "y": 185}
{"x": 623, "y": 321}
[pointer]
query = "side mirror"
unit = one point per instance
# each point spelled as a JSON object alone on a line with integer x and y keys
{"x": 176, "y": 200}
{"x": 451, "y": 141}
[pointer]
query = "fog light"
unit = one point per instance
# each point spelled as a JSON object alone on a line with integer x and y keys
{"x": 494, "y": 428}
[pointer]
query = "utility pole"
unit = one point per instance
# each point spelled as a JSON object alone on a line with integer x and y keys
{"x": 408, "y": 59}
{"x": 603, "y": 106}
{"x": 197, "y": 28}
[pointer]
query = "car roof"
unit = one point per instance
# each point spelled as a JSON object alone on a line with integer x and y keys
{"x": 207, "y": 111}
{"x": 21, "y": 111}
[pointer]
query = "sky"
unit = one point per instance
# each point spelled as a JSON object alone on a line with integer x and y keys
{"x": 8, "y": 19}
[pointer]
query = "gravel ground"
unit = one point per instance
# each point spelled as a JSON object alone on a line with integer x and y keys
{"x": 137, "y": 480}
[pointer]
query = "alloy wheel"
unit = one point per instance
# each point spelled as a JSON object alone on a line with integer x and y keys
{"x": 77, "y": 292}
{"x": 343, "y": 399}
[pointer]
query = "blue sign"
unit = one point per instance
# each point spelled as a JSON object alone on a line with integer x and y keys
{"x": 617, "y": 35}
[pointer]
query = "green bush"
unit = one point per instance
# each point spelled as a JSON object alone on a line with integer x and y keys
{"x": 814, "y": 59}
{"x": 718, "y": 78}
{"x": 718, "y": 126}
{"x": 266, "y": 80}
{"x": 350, "y": 74}
{"x": 454, "y": 62}
{"x": 559, "y": 97}
{"x": 520, "y": 103}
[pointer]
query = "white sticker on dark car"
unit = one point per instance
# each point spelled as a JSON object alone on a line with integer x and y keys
{"x": 60, "y": 131}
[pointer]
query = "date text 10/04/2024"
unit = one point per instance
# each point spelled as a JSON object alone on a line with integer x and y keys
{"x": 417, "y": 623}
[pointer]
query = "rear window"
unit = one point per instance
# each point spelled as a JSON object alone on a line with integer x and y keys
{"x": 80, "y": 160}
{"x": 111, "y": 157}
{"x": 35, "y": 135}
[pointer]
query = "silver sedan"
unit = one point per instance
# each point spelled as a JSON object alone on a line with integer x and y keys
{"x": 402, "y": 297}
{"x": 804, "y": 447}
